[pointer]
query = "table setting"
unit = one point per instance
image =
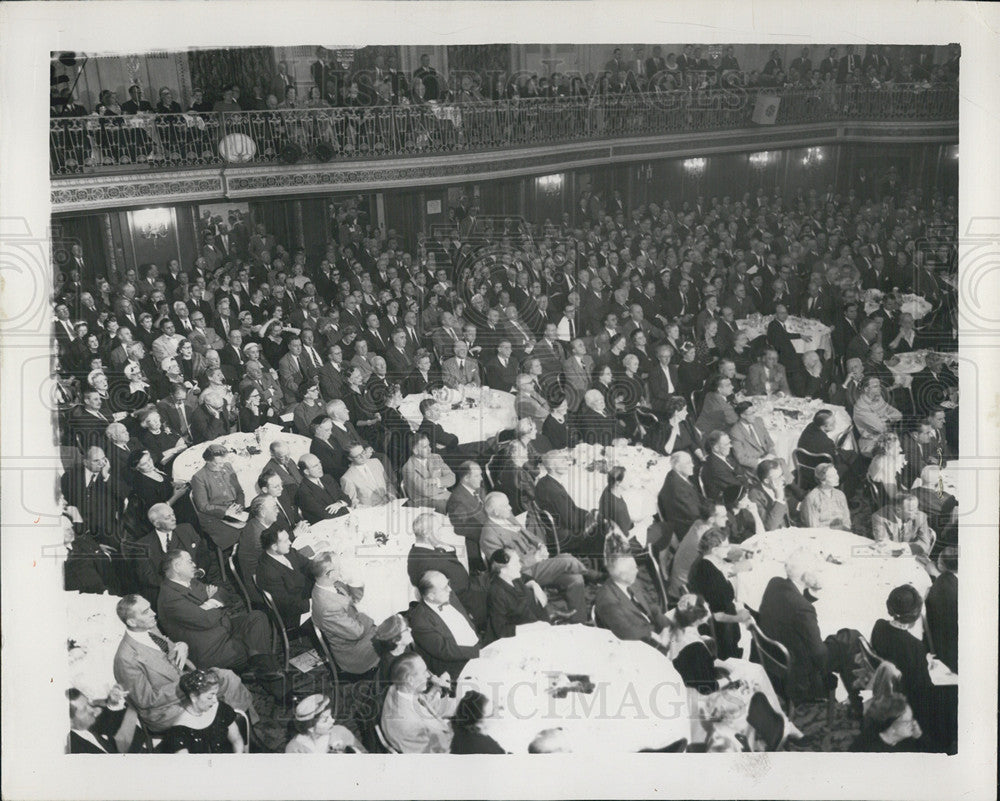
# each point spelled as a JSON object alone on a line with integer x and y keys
{"x": 473, "y": 414}
{"x": 815, "y": 335}
{"x": 786, "y": 418}
{"x": 916, "y": 360}
{"x": 94, "y": 635}
{"x": 856, "y": 574}
{"x": 608, "y": 695}
{"x": 373, "y": 544}
{"x": 249, "y": 453}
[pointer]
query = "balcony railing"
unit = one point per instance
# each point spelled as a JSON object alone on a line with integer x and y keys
{"x": 144, "y": 142}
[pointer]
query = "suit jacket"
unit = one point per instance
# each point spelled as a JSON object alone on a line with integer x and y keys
{"x": 629, "y": 618}
{"x": 569, "y": 518}
{"x": 680, "y": 503}
{"x": 291, "y": 375}
{"x": 331, "y": 456}
{"x": 756, "y": 377}
{"x": 434, "y": 641}
{"x": 348, "y": 632}
{"x": 550, "y": 354}
{"x": 312, "y": 500}
{"x": 331, "y": 382}
{"x": 781, "y": 341}
{"x": 108, "y": 722}
{"x": 208, "y": 632}
{"x": 183, "y": 538}
{"x": 398, "y": 363}
{"x": 717, "y": 414}
{"x": 747, "y": 450}
{"x": 151, "y": 681}
{"x": 368, "y": 486}
{"x": 577, "y": 372}
{"x": 719, "y": 473}
{"x": 289, "y": 472}
{"x": 787, "y": 616}
{"x": 417, "y": 476}
{"x": 421, "y": 559}
{"x": 510, "y": 606}
{"x": 659, "y": 389}
{"x": 206, "y": 427}
{"x": 498, "y": 376}
{"x": 917, "y": 533}
{"x": 414, "y": 384}
{"x": 466, "y": 512}
{"x": 98, "y": 504}
{"x": 942, "y": 619}
{"x": 289, "y": 587}
{"x": 773, "y": 513}
{"x": 454, "y": 376}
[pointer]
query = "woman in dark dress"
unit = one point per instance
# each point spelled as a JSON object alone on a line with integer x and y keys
{"x": 691, "y": 373}
{"x": 555, "y": 430}
{"x": 741, "y": 355}
{"x": 157, "y": 438}
{"x": 510, "y": 602}
{"x": 612, "y": 505}
{"x": 149, "y": 485}
{"x": 472, "y": 709}
{"x": 362, "y": 409}
{"x": 206, "y": 725}
{"x": 708, "y": 579}
{"x": 252, "y": 416}
{"x": 398, "y": 432}
{"x": 677, "y": 432}
{"x": 935, "y": 708}
{"x": 392, "y": 638}
{"x": 889, "y": 727}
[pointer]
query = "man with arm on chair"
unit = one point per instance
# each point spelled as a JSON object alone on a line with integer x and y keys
{"x": 622, "y": 606}
{"x": 414, "y": 718}
{"x": 319, "y": 496}
{"x": 570, "y": 520}
{"x": 348, "y": 632}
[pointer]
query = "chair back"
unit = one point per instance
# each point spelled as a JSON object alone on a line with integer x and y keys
{"x": 235, "y": 571}
{"x": 488, "y": 473}
{"x": 847, "y": 440}
{"x": 243, "y": 724}
{"x": 383, "y": 741}
{"x": 277, "y": 623}
{"x": 772, "y": 655}
{"x": 547, "y": 524}
{"x": 806, "y": 463}
{"x": 328, "y": 660}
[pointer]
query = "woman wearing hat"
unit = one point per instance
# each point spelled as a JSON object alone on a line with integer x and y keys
{"x": 316, "y": 732}
{"x": 149, "y": 485}
{"x": 934, "y": 708}
{"x": 392, "y": 638}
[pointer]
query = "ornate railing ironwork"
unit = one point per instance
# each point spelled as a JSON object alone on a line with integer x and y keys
{"x": 145, "y": 142}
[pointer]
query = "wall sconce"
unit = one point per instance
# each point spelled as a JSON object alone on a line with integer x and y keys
{"x": 954, "y": 152}
{"x": 152, "y": 223}
{"x": 813, "y": 156}
{"x": 760, "y": 160}
{"x": 695, "y": 166}
{"x": 550, "y": 184}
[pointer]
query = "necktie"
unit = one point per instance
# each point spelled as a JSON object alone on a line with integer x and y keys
{"x": 183, "y": 417}
{"x": 161, "y": 642}
{"x": 753, "y": 433}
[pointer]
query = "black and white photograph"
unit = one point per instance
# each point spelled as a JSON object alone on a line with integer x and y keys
{"x": 459, "y": 387}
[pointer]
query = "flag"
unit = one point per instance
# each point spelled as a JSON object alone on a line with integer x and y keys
{"x": 766, "y": 110}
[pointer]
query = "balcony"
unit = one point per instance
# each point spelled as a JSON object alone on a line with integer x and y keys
{"x": 246, "y": 153}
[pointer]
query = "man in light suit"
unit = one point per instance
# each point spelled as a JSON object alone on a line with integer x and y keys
{"x": 348, "y": 632}
{"x": 903, "y": 522}
{"x": 548, "y": 350}
{"x": 767, "y": 377}
{"x": 426, "y": 477}
{"x": 291, "y": 371}
{"x": 717, "y": 413}
{"x": 460, "y": 369}
{"x": 528, "y": 403}
{"x": 149, "y": 666}
{"x": 577, "y": 370}
{"x": 365, "y": 481}
{"x": 751, "y": 441}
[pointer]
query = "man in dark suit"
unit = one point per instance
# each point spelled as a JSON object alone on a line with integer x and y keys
{"x": 398, "y": 360}
{"x": 319, "y": 496}
{"x": 662, "y": 380}
{"x": 202, "y": 616}
{"x": 501, "y": 370}
{"x": 781, "y": 340}
{"x": 167, "y": 536}
{"x": 570, "y": 520}
{"x": 423, "y": 378}
{"x": 466, "y": 511}
{"x": 332, "y": 377}
{"x": 209, "y": 420}
{"x": 919, "y": 452}
{"x": 848, "y": 65}
{"x": 720, "y": 470}
{"x": 942, "y": 610}
{"x": 444, "y": 633}
{"x": 594, "y": 423}
{"x": 622, "y": 606}
{"x": 680, "y": 501}
{"x": 284, "y": 573}
{"x": 88, "y": 487}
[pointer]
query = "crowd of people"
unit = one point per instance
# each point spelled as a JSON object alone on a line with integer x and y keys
{"x": 619, "y": 328}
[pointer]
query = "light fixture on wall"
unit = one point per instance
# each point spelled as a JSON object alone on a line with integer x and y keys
{"x": 344, "y": 57}
{"x": 813, "y": 156}
{"x": 760, "y": 160}
{"x": 695, "y": 166}
{"x": 152, "y": 223}
{"x": 954, "y": 152}
{"x": 550, "y": 184}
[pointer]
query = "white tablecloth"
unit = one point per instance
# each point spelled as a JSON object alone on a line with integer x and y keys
{"x": 249, "y": 458}
{"x": 915, "y": 361}
{"x": 373, "y": 544}
{"x": 639, "y": 700}
{"x": 492, "y": 412}
{"x": 95, "y": 633}
{"x": 815, "y": 335}
{"x": 853, "y": 593}
{"x": 915, "y": 305}
{"x": 785, "y": 428}
{"x": 645, "y": 471}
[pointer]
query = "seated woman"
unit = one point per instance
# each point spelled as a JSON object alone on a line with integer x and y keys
{"x": 149, "y": 485}
{"x": 825, "y": 506}
{"x": 676, "y": 432}
{"x": 206, "y": 725}
{"x": 392, "y": 638}
{"x": 308, "y": 408}
{"x": 472, "y": 709}
{"x": 511, "y": 601}
{"x": 252, "y": 415}
{"x": 612, "y": 504}
{"x": 889, "y": 727}
{"x": 935, "y": 708}
{"x": 708, "y": 577}
{"x": 316, "y": 732}
{"x": 515, "y": 480}
{"x": 397, "y": 429}
{"x": 691, "y": 373}
{"x": 887, "y": 463}
{"x": 707, "y": 349}
{"x": 741, "y": 354}
{"x": 554, "y": 428}
{"x": 163, "y": 445}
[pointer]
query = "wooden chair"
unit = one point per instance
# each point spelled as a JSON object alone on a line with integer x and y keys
{"x": 383, "y": 741}
{"x": 237, "y": 578}
{"x": 547, "y": 523}
{"x": 243, "y": 724}
{"x": 775, "y": 660}
{"x": 331, "y": 665}
{"x": 277, "y": 623}
{"x": 805, "y": 463}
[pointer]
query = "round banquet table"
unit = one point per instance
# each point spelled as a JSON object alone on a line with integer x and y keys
{"x": 94, "y": 633}
{"x": 786, "y": 418}
{"x": 490, "y": 412}
{"x": 373, "y": 544}
{"x": 853, "y": 592}
{"x": 815, "y": 335}
{"x": 915, "y": 361}
{"x": 645, "y": 472}
{"x": 248, "y": 457}
{"x": 639, "y": 700}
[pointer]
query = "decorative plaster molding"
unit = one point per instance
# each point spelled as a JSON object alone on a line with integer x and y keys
{"x": 122, "y": 191}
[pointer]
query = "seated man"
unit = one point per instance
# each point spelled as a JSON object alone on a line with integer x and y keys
{"x": 167, "y": 536}
{"x": 942, "y": 610}
{"x": 594, "y": 423}
{"x": 443, "y": 632}
{"x": 199, "y": 615}
{"x": 466, "y": 512}
{"x": 940, "y": 507}
{"x": 461, "y": 369}
{"x": 687, "y": 553}
{"x": 216, "y": 494}
{"x": 680, "y": 501}
{"x": 426, "y": 477}
{"x": 415, "y": 713}
{"x": 285, "y": 574}
{"x": 563, "y": 571}
{"x": 825, "y": 506}
{"x": 720, "y": 470}
{"x": 622, "y": 606}
{"x": 751, "y": 441}
{"x": 872, "y": 414}
{"x": 319, "y": 496}
{"x": 767, "y": 377}
{"x": 717, "y": 412}
{"x": 903, "y": 522}
{"x": 149, "y": 666}
{"x": 528, "y": 403}
{"x": 283, "y": 465}
{"x": 348, "y": 632}
{"x": 769, "y": 495}
{"x": 443, "y": 443}
{"x": 429, "y": 552}
{"x": 105, "y": 728}
{"x": 570, "y": 520}
{"x": 365, "y": 483}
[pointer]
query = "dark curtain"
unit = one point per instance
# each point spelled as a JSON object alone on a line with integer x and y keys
{"x": 402, "y": 215}
{"x": 364, "y": 58}
{"x": 278, "y": 217}
{"x": 315, "y": 226}
{"x": 88, "y": 232}
{"x": 247, "y": 67}
{"x": 486, "y": 59}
